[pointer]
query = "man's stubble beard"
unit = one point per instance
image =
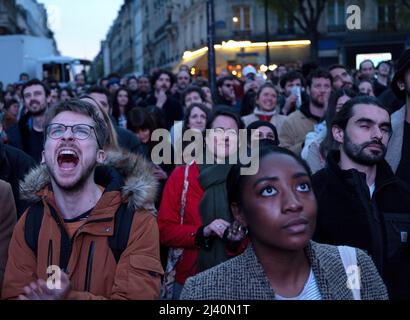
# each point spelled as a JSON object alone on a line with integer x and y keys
{"x": 77, "y": 184}
{"x": 317, "y": 103}
{"x": 39, "y": 112}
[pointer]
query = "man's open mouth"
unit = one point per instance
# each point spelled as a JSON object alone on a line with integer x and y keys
{"x": 67, "y": 159}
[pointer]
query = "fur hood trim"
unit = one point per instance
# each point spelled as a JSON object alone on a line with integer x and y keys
{"x": 140, "y": 186}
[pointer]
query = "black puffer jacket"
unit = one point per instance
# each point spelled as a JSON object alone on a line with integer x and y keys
{"x": 347, "y": 215}
{"x": 14, "y": 165}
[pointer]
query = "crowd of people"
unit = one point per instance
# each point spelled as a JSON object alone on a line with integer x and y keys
{"x": 325, "y": 216}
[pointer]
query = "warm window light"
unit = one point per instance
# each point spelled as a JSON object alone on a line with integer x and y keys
{"x": 263, "y": 68}
{"x": 232, "y": 45}
{"x": 235, "y": 19}
{"x": 193, "y": 71}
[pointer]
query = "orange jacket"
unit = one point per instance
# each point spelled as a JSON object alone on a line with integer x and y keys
{"x": 137, "y": 274}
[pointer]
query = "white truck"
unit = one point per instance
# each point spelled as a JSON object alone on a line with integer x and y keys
{"x": 34, "y": 55}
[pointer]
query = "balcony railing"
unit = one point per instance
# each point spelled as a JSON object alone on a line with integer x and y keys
{"x": 386, "y": 26}
{"x": 282, "y": 30}
{"x": 242, "y": 33}
{"x": 336, "y": 28}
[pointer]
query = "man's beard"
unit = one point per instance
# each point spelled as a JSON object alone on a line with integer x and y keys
{"x": 40, "y": 111}
{"x": 77, "y": 184}
{"x": 357, "y": 153}
{"x": 317, "y": 103}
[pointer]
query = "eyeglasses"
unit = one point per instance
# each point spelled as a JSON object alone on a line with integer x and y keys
{"x": 80, "y": 131}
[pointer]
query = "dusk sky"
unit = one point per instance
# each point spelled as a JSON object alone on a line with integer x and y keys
{"x": 80, "y": 25}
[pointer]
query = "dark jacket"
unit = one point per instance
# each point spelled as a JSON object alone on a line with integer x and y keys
{"x": 389, "y": 100}
{"x": 14, "y": 165}
{"x": 221, "y": 100}
{"x": 171, "y": 110}
{"x": 347, "y": 215}
{"x": 20, "y": 136}
{"x": 243, "y": 278}
{"x": 127, "y": 140}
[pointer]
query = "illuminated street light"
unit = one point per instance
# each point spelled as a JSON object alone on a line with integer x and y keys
{"x": 235, "y": 19}
{"x": 263, "y": 68}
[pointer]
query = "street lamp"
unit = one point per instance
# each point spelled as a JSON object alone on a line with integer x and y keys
{"x": 235, "y": 19}
{"x": 210, "y": 15}
{"x": 267, "y": 34}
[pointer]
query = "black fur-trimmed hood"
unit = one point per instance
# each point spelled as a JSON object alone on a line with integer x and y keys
{"x": 139, "y": 189}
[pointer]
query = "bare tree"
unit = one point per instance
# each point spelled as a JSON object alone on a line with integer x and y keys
{"x": 306, "y": 14}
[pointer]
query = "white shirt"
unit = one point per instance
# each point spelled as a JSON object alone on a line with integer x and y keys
{"x": 371, "y": 189}
{"x": 309, "y": 292}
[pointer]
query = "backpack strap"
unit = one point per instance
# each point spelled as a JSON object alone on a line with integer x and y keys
{"x": 122, "y": 227}
{"x": 349, "y": 260}
{"x": 118, "y": 242}
{"x": 34, "y": 219}
{"x": 65, "y": 242}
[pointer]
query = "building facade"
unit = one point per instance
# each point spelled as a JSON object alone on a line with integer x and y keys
{"x": 241, "y": 37}
{"x": 8, "y": 17}
{"x": 169, "y": 33}
{"x": 25, "y": 17}
{"x": 121, "y": 51}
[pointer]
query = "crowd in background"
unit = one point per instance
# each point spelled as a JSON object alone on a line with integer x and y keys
{"x": 302, "y": 117}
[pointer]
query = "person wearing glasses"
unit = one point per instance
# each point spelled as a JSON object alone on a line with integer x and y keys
{"x": 226, "y": 91}
{"x": 88, "y": 235}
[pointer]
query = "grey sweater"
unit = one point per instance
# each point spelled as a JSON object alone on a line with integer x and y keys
{"x": 243, "y": 278}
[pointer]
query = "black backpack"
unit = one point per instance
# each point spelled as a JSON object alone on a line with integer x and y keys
{"x": 117, "y": 243}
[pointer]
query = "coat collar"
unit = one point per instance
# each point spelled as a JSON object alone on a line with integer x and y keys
{"x": 384, "y": 173}
{"x": 326, "y": 265}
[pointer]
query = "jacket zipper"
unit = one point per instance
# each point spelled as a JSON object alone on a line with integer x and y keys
{"x": 90, "y": 259}
{"x": 50, "y": 253}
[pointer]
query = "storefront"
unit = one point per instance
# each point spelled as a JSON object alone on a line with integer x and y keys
{"x": 376, "y": 47}
{"x": 234, "y": 55}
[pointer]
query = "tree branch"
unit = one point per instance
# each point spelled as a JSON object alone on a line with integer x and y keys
{"x": 302, "y": 11}
{"x": 320, "y": 7}
{"x": 406, "y": 3}
{"x": 289, "y": 10}
{"x": 311, "y": 10}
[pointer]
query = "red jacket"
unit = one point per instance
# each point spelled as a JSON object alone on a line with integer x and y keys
{"x": 172, "y": 233}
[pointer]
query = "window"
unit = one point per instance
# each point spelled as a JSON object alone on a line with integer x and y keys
{"x": 386, "y": 16}
{"x": 286, "y": 23}
{"x": 241, "y": 18}
{"x": 336, "y": 15}
{"x": 201, "y": 28}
